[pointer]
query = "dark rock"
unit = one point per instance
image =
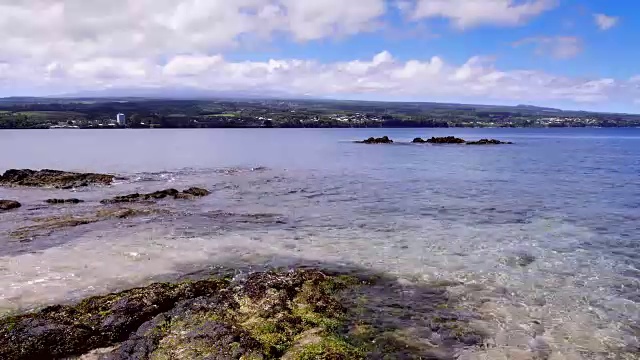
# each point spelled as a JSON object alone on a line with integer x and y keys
{"x": 446, "y": 140}
{"x": 183, "y": 196}
{"x": 64, "y": 331}
{"x": 520, "y": 259}
{"x": 524, "y": 259}
{"x": 156, "y": 195}
{"x": 197, "y": 192}
{"x": 53, "y": 178}
{"x": 298, "y": 314}
{"x": 419, "y": 141}
{"x": 372, "y": 140}
{"x": 160, "y": 194}
{"x": 9, "y": 205}
{"x": 48, "y": 225}
{"x": 488, "y": 142}
{"x": 63, "y": 201}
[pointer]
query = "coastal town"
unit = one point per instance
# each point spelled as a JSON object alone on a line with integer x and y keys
{"x": 18, "y": 113}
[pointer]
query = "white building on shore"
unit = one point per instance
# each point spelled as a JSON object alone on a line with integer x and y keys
{"x": 121, "y": 119}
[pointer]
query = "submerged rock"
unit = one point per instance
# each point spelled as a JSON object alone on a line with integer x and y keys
{"x": 520, "y": 259}
{"x": 301, "y": 314}
{"x": 488, "y": 142}
{"x": 9, "y": 205}
{"x": 446, "y": 140}
{"x": 157, "y": 195}
{"x": 197, "y": 192}
{"x": 372, "y": 140}
{"x": 49, "y": 225}
{"x": 63, "y": 201}
{"x": 53, "y": 178}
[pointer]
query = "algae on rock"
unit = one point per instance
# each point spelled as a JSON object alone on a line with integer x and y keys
{"x": 294, "y": 315}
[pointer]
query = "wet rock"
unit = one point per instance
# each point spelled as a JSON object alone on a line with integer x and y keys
{"x": 99, "y": 322}
{"x": 524, "y": 259}
{"x": 49, "y": 225}
{"x": 197, "y": 192}
{"x": 488, "y": 142}
{"x": 372, "y": 140}
{"x": 183, "y": 196}
{"x": 9, "y": 205}
{"x": 158, "y": 195}
{"x": 300, "y": 314}
{"x": 63, "y": 201}
{"x": 446, "y": 140}
{"x": 419, "y": 141}
{"x": 53, "y": 178}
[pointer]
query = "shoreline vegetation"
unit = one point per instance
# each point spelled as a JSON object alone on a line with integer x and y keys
{"x": 100, "y": 113}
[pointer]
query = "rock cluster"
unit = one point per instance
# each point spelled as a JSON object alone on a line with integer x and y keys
{"x": 157, "y": 195}
{"x": 373, "y": 140}
{"x": 488, "y": 142}
{"x": 9, "y": 205}
{"x": 63, "y": 201}
{"x": 455, "y": 140}
{"x": 53, "y": 178}
{"x": 446, "y": 140}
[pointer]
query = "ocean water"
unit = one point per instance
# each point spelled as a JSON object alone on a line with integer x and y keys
{"x": 545, "y": 232}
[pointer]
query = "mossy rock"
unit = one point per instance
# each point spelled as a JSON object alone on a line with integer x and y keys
{"x": 295, "y": 315}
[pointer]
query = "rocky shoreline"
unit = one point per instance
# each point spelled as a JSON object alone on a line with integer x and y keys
{"x": 296, "y": 314}
{"x": 53, "y": 178}
{"x": 107, "y": 209}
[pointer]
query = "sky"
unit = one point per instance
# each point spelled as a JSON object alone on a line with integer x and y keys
{"x": 571, "y": 54}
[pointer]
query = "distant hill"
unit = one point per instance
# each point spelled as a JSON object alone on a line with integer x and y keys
{"x": 538, "y": 108}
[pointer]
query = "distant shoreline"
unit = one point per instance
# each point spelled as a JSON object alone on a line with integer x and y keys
{"x": 326, "y": 127}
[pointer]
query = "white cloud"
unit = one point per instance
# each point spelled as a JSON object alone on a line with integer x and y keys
{"x": 559, "y": 47}
{"x": 382, "y": 77}
{"x": 82, "y": 29}
{"x": 59, "y": 46}
{"x": 189, "y": 65}
{"x": 470, "y": 13}
{"x": 605, "y": 22}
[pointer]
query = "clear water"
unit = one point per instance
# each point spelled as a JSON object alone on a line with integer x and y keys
{"x": 568, "y": 197}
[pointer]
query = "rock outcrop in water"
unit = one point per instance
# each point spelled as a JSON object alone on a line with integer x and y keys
{"x": 372, "y": 140}
{"x": 53, "y": 178}
{"x": 197, "y": 192}
{"x": 445, "y": 140}
{"x": 190, "y": 193}
{"x": 303, "y": 314}
{"x": 488, "y": 142}
{"x": 63, "y": 201}
{"x": 9, "y": 205}
{"x": 455, "y": 140}
{"x": 49, "y": 225}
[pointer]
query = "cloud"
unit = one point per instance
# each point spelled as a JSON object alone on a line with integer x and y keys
{"x": 381, "y": 77}
{"x": 87, "y": 29}
{"x": 471, "y": 13}
{"x": 605, "y": 22}
{"x": 558, "y": 47}
{"x": 62, "y": 46}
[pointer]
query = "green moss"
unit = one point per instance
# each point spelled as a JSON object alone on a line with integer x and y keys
{"x": 275, "y": 336}
{"x": 330, "y": 347}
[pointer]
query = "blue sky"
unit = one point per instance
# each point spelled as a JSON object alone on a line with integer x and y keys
{"x": 564, "y": 53}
